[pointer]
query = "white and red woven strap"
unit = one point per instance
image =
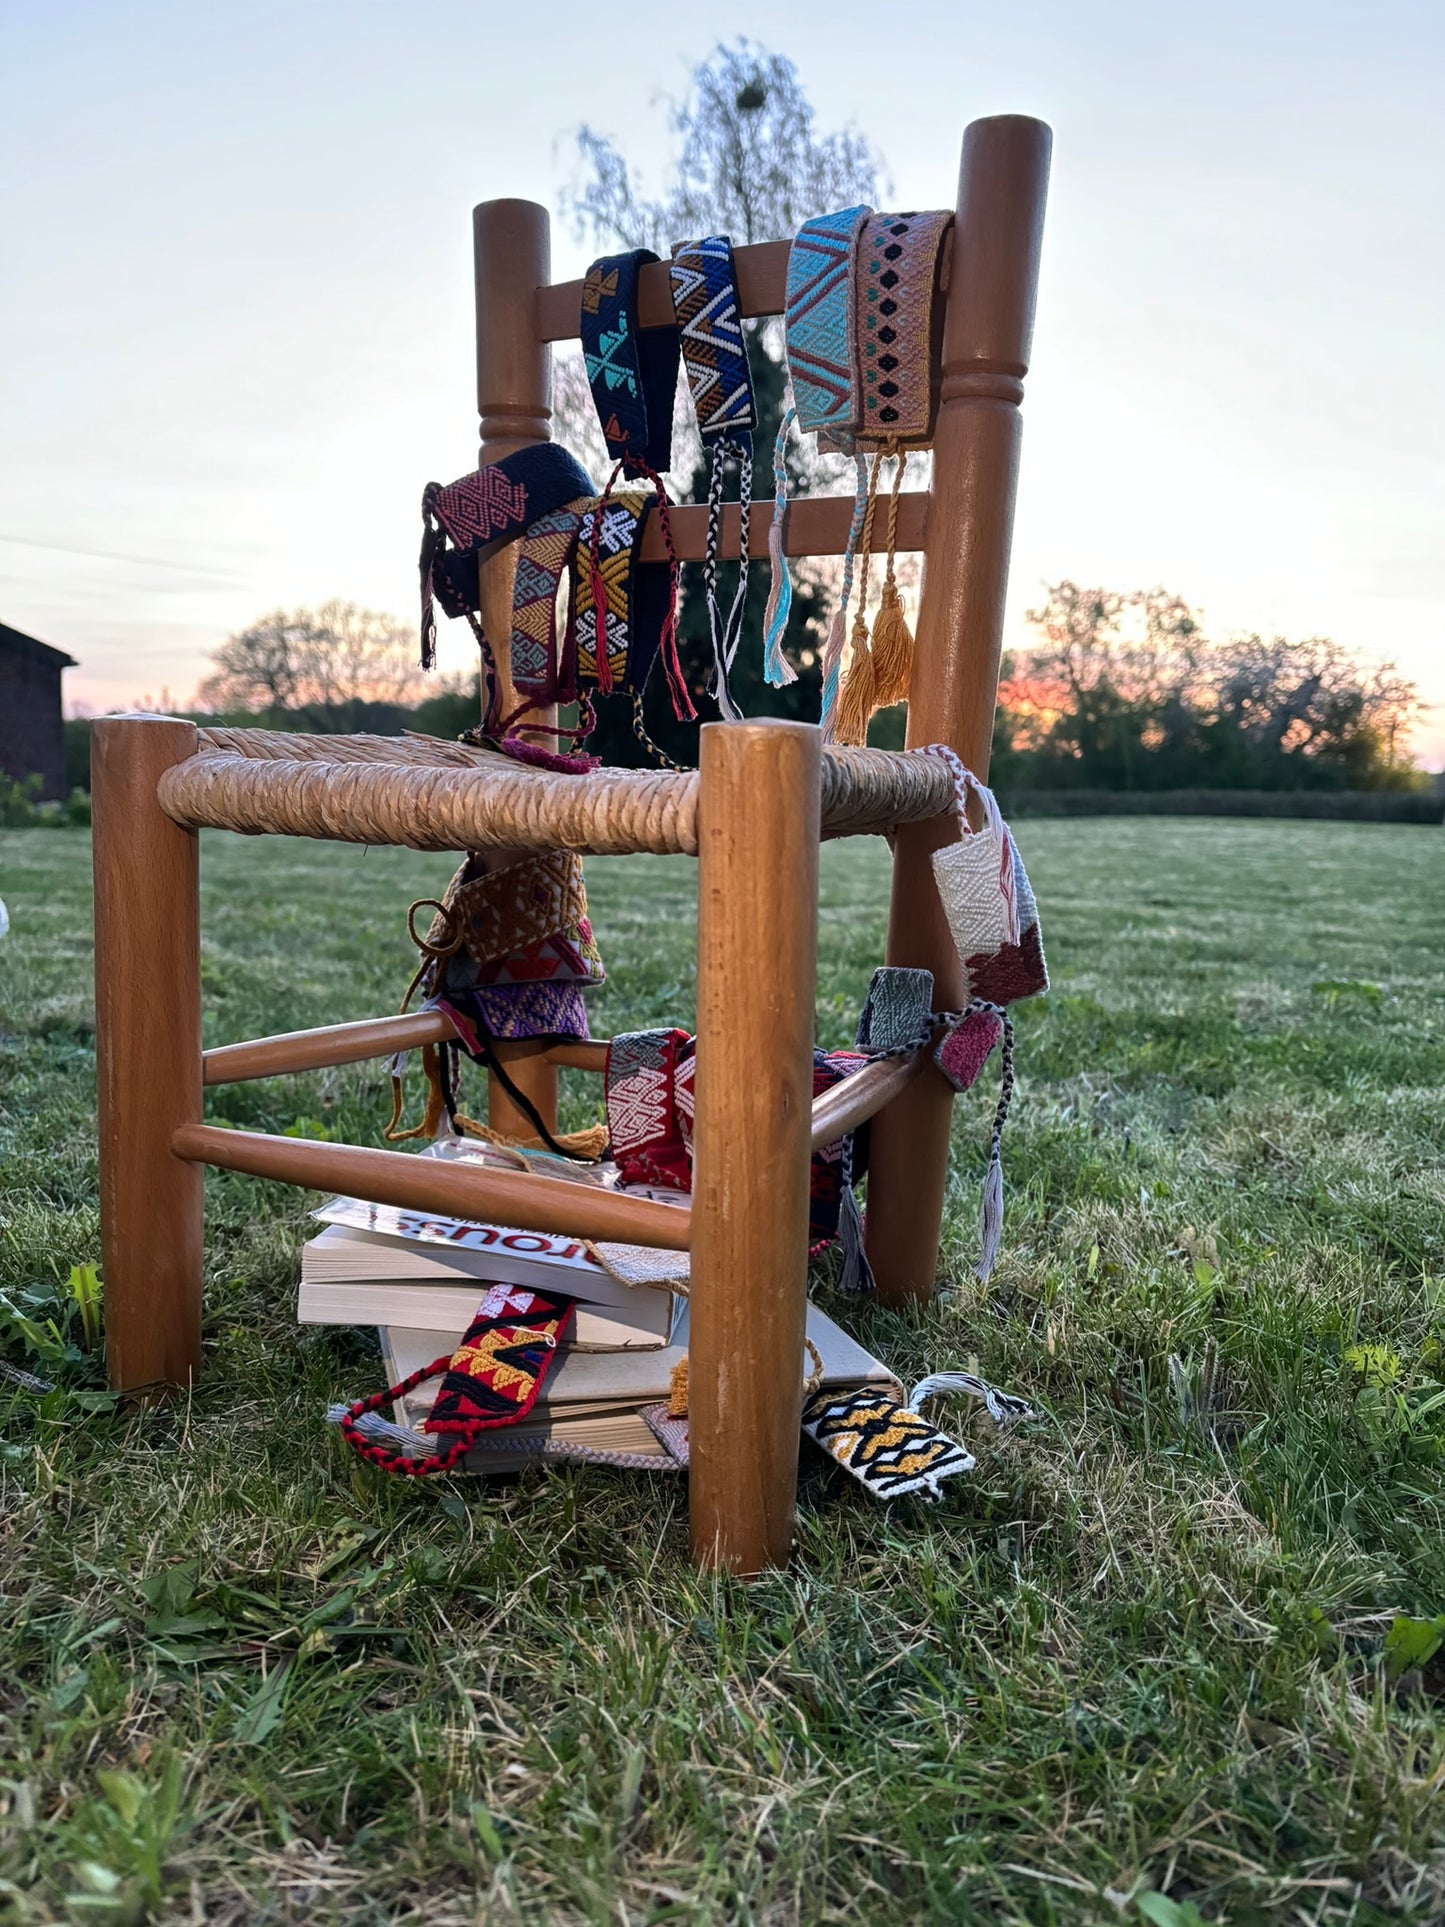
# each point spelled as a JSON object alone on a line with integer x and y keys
{"x": 964, "y": 784}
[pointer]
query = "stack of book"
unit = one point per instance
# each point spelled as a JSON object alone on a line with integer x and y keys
{"x": 377, "y": 1265}
{"x": 419, "y": 1279}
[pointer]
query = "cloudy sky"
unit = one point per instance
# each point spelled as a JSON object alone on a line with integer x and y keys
{"x": 235, "y": 325}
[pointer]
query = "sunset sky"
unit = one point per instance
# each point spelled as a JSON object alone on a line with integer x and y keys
{"x": 235, "y": 332}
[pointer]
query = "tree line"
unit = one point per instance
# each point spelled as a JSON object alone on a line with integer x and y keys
{"x": 1126, "y": 692}
{"x": 1120, "y": 692}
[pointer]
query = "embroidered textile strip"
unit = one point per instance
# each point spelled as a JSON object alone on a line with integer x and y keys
{"x": 618, "y": 608}
{"x": 714, "y": 355}
{"x": 632, "y": 371}
{"x": 898, "y": 319}
{"x": 819, "y": 325}
{"x": 887, "y": 1448}
{"x": 502, "y": 911}
{"x": 468, "y": 519}
{"x": 547, "y": 549}
{"x": 492, "y": 1379}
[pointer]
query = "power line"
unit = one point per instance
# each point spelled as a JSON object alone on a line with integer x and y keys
{"x": 109, "y": 555}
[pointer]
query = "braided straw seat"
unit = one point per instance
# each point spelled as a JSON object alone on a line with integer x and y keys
{"x": 434, "y": 795}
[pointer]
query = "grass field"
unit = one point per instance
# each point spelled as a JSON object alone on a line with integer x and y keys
{"x": 1132, "y": 1670}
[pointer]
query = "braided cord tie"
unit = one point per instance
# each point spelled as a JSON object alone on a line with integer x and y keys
{"x": 777, "y": 670}
{"x": 745, "y": 503}
{"x": 365, "y": 1440}
{"x": 901, "y": 456}
{"x": 659, "y": 756}
{"x": 838, "y": 628}
{"x": 725, "y": 634}
{"x": 682, "y": 707}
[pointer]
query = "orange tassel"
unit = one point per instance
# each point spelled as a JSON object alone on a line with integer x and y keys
{"x": 892, "y": 638}
{"x": 856, "y": 698}
{"x": 892, "y": 649}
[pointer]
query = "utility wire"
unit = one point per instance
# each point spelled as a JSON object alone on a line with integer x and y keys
{"x": 109, "y": 555}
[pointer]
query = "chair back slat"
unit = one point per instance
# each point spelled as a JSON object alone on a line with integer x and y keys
{"x": 762, "y": 275}
{"x": 813, "y": 525}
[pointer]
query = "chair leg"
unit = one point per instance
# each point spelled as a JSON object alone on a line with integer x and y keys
{"x": 1001, "y": 188}
{"x": 909, "y": 1141}
{"x": 758, "y": 819}
{"x": 148, "y": 1054}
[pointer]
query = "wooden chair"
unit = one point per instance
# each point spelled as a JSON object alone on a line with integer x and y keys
{"x": 753, "y": 814}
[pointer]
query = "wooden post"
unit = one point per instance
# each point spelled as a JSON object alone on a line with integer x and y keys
{"x": 512, "y": 259}
{"x": 758, "y": 818}
{"x": 1002, "y": 185}
{"x": 148, "y": 1053}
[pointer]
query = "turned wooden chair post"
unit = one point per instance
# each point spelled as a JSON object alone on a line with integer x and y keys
{"x": 148, "y": 1054}
{"x": 757, "y": 923}
{"x": 1003, "y": 180}
{"x": 512, "y": 259}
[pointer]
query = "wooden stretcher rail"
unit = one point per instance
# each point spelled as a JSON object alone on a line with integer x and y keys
{"x": 861, "y": 1096}
{"x": 812, "y": 525}
{"x": 762, "y": 272}
{"x": 835, "y": 1113}
{"x": 314, "y": 1050}
{"x": 516, "y": 1198}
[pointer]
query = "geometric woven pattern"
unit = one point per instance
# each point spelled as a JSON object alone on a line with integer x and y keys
{"x": 962, "y": 1052}
{"x": 499, "y": 500}
{"x": 1013, "y": 970}
{"x": 642, "y": 1121}
{"x": 896, "y": 1009}
{"x": 504, "y": 911}
{"x": 632, "y": 371}
{"x": 819, "y": 323}
{"x": 967, "y": 874}
{"x": 619, "y": 531}
{"x": 705, "y": 300}
{"x": 896, "y": 319}
{"x": 991, "y": 912}
{"x": 887, "y": 1448}
{"x": 497, "y": 1370}
{"x": 546, "y": 551}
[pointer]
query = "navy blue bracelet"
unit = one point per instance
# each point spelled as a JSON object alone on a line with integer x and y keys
{"x": 468, "y": 519}
{"x": 632, "y": 370}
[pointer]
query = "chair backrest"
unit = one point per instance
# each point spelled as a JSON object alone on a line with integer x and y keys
{"x": 963, "y": 524}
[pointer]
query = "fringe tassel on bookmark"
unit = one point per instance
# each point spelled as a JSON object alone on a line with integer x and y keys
{"x": 990, "y": 1221}
{"x": 723, "y": 634}
{"x": 381, "y": 1431}
{"x": 854, "y": 1271}
{"x": 777, "y": 670}
{"x": 1004, "y": 1408}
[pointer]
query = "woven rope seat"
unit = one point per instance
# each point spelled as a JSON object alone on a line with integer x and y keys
{"x": 434, "y": 795}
